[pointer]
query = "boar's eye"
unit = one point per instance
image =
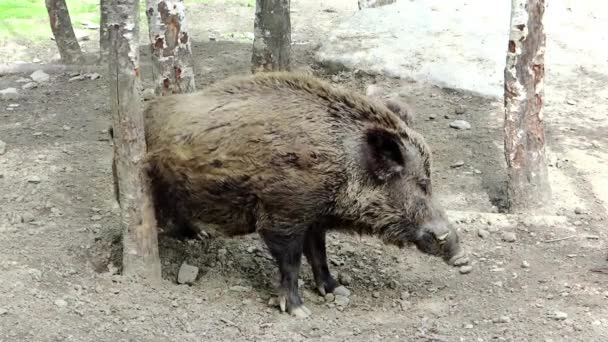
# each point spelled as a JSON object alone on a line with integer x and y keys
{"x": 425, "y": 185}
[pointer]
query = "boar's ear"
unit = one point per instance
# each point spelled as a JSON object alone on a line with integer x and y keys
{"x": 383, "y": 153}
{"x": 402, "y": 109}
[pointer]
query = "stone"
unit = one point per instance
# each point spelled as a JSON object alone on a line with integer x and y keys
{"x": 460, "y": 124}
{"x": 9, "y": 94}
{"x": 345, "y": 279}
{"x": 376, "y": 294}
{"x": 559, "y": 315}
{"x": 187, "y": 274}
{"x": 40, "y": 76}
{"x": 466, "y": 269}
{"x": 2, "y": 147}
{"x": 502, "y": 319}
{"x": 405, "y": 295}
{"x": 330, "y": 297}
{"x": 33, "y": 179}
{"x": 61, "y": 303}
{"x": 460, "y": 110}
{"x": 457, "y": 164}
{"x": 509, "y": 237}
{"x": 571, "y": 102}
{"x": 482, "y": 233}
{"x": 29, "y": 85}
{"x": 148, "y": 94}
{"x": 3, "y": 311}
{"x": 239, "y": 288}
{"x": 94, "y": 76}
{"x": 432, "y": 117}
{"x": 77, "y": 78}
{"x": 341, "y": 291}
{"x": 525, "y": 264}
{"x": 96, "y": 217}
{"x": 23, "y": 80}
{"x": 579, "y": 211}
{"x": 342, "y": 301}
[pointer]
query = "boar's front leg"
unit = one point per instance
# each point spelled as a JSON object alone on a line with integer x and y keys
{"x": 316, "y": 254}
{"x": 287, "y": 251}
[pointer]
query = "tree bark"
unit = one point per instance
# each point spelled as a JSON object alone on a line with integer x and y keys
{"x": 61, "y": 25}
{"x": 524, "y": 135}
{"x": 272, "y": 36}
{"x": 172, "y": 64}
{"x": 104, "y": 37}
{"x": 140, "y": 245}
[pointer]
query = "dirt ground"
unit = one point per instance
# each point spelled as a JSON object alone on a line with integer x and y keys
{"x": 59, "y": 227}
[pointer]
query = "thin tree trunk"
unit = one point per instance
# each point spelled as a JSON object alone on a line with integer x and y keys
{"x": 272, "y": 36}
{"x": 104, "y": 37}
{"x": 61, "y": 25}
{"x": 140, "y": 245}
{"x": 172, "y": 64}
{"x": 524, "y": 134}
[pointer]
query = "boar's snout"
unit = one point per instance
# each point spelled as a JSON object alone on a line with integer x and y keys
{"x": 436, "y": 237}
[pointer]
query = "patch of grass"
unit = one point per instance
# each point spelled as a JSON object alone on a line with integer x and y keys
{"x": 27, "y": 20}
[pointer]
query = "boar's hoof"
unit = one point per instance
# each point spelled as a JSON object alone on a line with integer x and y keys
{"x": 459, "y": 259}
{"x": 299, "y": 311}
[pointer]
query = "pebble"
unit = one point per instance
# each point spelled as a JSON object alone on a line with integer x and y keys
{"x": 148, "y": 94}
{"x": 239, "y": 288}
{"x": 251, "y": 249}
{"x": 187, "y": 274}
{"x": 502, "y": 319}
{"x": 404, "y": 295}
{"x": 9, "y": 94}
{"x": 509, "y": 237}
{"x": 40, "y": 76}
{"x": 342, "y": 301}
{"x": 77, "y": 78}
{"x": 345, "y": 279}
{"x": 29, "y": 85}
{"x": 460, "y": 110}
{"x": 95, "y": 217}
{"x": 94, "y": 76}
{"x": 559, "y": 315}
{"x": 571, "y": 102}
{"x": 432, "y": 117}
{"x": 341, "y": 291}
{"x": 459, "y": 163}
{"x": 482, "y": 233}
{"x": 23, "y": 80}
{"x": 3, "y": 311}
{"x": 579, "y": 211}
{"x": 61, "y": 303}
{"x": 2, "y": 147}
{"x": 33, "y": 180}
{"x": 466, "y": 269}
{"x": 525, "y": 264}
{"x": 376, "y": 294}
{"x": 330, "y": 297}
{"x": 460, "y": 124}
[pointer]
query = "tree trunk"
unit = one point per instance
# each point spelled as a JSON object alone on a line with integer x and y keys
{"x": 524, "y": 138}
{"x": 140, "y": 246}
{"x": 172, "y": 65}
{"x": 272, "y": 36}
{"x": 104, "y": 37}
{"x": 61, "y": 25}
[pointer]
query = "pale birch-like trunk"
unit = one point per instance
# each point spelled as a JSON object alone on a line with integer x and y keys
{"x": 61, "y": 25}
{"x": 272, "y": 36}
{"x": 140, "y": 245}
{"x": 172, "y": 64}
{"x": 524, "y": 135}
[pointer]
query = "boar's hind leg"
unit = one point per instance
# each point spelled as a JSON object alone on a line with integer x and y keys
{"x": 287, "y": 251}
{"x": 316, "y": 254}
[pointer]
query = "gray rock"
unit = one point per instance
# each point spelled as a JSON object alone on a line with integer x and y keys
{"x": 376, "y": 294}
{"x": 29, "y": 85}
{"x": 148, "y": 94}
{"x": 330, "y": 297}
{"x": 94, "y": 76}
{"x": 40, "y": 76}
{"x": 460, "y": 110}
{"x": 77, "y": 78}
{"x": 96, "y": 217}
{"x": 559, "y": 315}
{"x": 3, "y": 311}
{"x": 432, "y": 117}
{"x": 342, "y": 301}
{"x": 525, "y": 264}
{"x": 405, "y": 295}
{"x": 509, "y": 237}
{"x": 2, "y": 147}
{"x": 482, "y": 233}
{"x": 341, "y": 291}
{"x": 502, "y": 319}
{"x": 23, "y": 80}
{"x": 345, "y": 279}
{"x": 61, "y": 303}
{"x": 33, "y": 179}
{"x": 579, "y": 211}
{"x": 457, "y": 164}
{"x": 239, "y": 288}
{"x": 466, "y": 269}
{"x": 9, "y": 94}
{"x": 187, "y": 274}
{"x": 460, "y": 124}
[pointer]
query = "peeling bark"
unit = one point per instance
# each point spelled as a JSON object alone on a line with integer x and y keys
{"x": 104, "y": 38}
{"x": 172, "y": 64}
{"x": 61, "y": 25}
{"x": 524, "y": 135}
{"x": 140, "y": 245}
{"x": 272, "y": 36}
